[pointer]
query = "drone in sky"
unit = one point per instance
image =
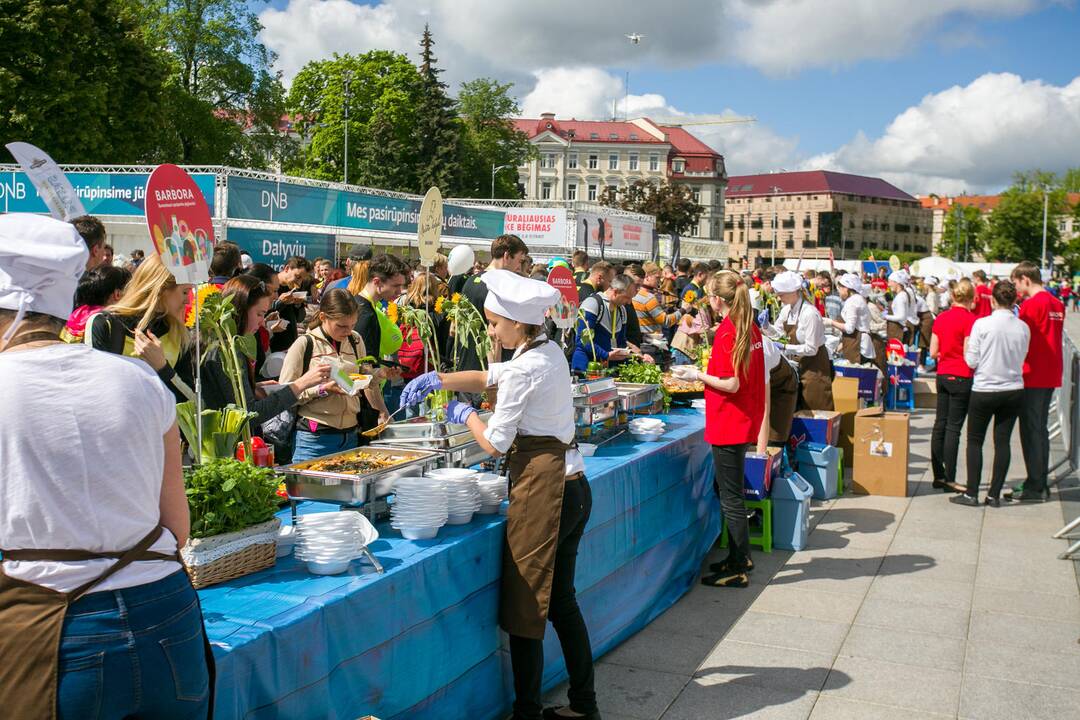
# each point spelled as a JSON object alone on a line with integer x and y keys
{"x": 635, "y": 38}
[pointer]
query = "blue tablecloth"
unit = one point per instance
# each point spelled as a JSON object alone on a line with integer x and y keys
{"x": 421, "y": 640}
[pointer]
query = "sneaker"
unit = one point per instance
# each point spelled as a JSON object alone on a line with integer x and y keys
{"x": 1025, "y": 497}
{"x": 727, "y": 579}
{"x": 727, "y": 566}
{"x": 965, "y": 499}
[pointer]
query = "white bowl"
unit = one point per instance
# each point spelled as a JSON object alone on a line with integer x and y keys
{"x": 334, "y": 567}
{"x": 451, "y": 473}
{"x": 419, "y": 533}
{"x": 488, "y": 509}
{"x": 586, "y": 449}
{"x": 647, "y": 437}
{"x": 459, "y": 519}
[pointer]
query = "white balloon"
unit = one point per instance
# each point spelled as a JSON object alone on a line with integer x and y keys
{"x": 460, "y": 260}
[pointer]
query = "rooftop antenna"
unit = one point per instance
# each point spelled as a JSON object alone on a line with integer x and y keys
{"x": 635, "y": 39}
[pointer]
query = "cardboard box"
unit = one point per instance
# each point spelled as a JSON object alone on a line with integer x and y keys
{"x": 759, "y": 472}
{"x": 819, "y": 426}
{"x": 881, "y": 452}
{"x": 925, "y": 392}
{"x": 869, "y": 381}
{"x": 846, "y": 400}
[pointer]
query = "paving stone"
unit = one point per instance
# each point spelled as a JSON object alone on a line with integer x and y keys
{"x": 991, "y": 699}
{"x": 928, "y": 567}
{"x": 963, "y": 551}
{"x": 633, "y": 692}
{"x": 740, "y": 700}
{"x": 906, "y": 615}
{"x": 830, "y": 707}
{"x": 789, "y": 632}
{"x": 995, "y": 660}
{"x": 1054, "y": 576}
{"x": 815, "y": 604}
{"x": 656, "y": 649}
{"x": 905, "y": 686}
{"x": 900, "y": 646}
{"x": 922, "y": 591}
{"x": 1026, "y": 602}
{"x": 1025, "y": 632}
{"x": 765, "y": 666}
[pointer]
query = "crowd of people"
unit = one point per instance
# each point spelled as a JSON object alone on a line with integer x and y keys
{"x": 763, "y": 343}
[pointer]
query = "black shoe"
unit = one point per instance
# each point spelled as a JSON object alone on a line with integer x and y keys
{"x": 1026, "y": 497}
{"x": 727, "y": 566}
{"x": 552, "y": 713}
{"x": 965, "y": 499}
{"x": 946, "y": 486}
{"x": 727, "y": 579}
{"x": 992, "y": 501}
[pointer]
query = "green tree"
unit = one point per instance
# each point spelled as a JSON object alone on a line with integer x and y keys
{"x": 1014, "y": 230}
{"x": 224, "y": 103}
{"x": 1070, "y": 181}
{"x": 438, "y": 138}
{"x": 79, "y": 80}
{"x": 672, "y": 204}
{"x": 967, "y": 243}
{"x": 490, "y": 138}
{"x": 383, "y": 98}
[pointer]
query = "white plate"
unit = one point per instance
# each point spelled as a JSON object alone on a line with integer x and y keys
{"x": 419, "y": 533}
{"x": 334, "y": 567}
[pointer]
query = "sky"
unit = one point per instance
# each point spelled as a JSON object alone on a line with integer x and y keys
{"x": 944, "y": 96}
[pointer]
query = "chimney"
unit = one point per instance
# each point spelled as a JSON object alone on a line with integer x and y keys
{"x": 547, "y": 116}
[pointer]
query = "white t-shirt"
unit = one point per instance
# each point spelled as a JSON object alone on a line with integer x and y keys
{"x": 81, "y": 462}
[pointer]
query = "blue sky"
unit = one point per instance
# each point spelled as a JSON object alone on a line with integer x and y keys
{"x": 945, "y": 96}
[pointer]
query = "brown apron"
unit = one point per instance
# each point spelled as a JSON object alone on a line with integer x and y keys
{"x": 537, "y": 466}
{"x": 815, "y": 374}
{"x": 926, "y": 326}
{"x": 896, "y": 331}
{"x": 32, "y": 618}
{"x": 879, "y": 353}
{"x": 783, "y": 396}
{"x": 850, "y": 347}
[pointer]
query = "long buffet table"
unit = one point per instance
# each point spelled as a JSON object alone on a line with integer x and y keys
{"x": 422, "y": 640}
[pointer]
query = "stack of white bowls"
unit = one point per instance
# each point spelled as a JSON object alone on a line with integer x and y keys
{"x": 493, "y": 490}
{"x": 327, "y": 542}
{"x": 462, "y": 493}
{"x": 647, "y": 429}
{"x": 420, "y": 507}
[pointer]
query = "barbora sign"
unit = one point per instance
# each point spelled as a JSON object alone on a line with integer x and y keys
{"x": 179, "y": 222}
{"x": 564, "y": 314}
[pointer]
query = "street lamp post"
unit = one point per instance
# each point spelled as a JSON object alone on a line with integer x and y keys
{"x": 775, "y": 229}
{"x": 348, "y": 96}
{"x": 494, "y": 169}
{"x": 1046, "y": 209}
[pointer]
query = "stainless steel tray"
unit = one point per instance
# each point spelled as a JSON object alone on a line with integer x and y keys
{"x": 637, "y": 396}
{"x": 587, "y": 415}
{"x": 455, "y": 451}
{"x": 303, "y": 483}
{"x": 407, "y": 430}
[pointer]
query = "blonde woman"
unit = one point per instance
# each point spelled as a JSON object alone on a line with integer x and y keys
{"x": 148, "y": 323}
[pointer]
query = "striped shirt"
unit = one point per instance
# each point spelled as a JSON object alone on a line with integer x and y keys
{"x": 651, "y": 317}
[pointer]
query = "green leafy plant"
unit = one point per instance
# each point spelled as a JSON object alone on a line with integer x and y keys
{"x": 635, "y": 371}
{"x": 226, "y": 495}
{"x": 221, "y": 430}
{"x": 419, "y": 319}
{"x": 587, "y": 334}
{"x": 470, "y": 328}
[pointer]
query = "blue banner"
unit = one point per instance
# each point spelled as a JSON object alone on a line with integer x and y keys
{"x": 101, "y": 193}
{"x": 275, "y": 247}
{"x": 292, "y": 203}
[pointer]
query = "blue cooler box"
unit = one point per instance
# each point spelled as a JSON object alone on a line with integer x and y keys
{"x": 869, "y": 381}
{"x": 791, "y": 511}
{"x": 818, "y": 426}
{"x": 818, "y": 465}
{"x": 758, "y": 473}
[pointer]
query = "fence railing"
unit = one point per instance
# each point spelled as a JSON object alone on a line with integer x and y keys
{"x": 1065, "y": 425}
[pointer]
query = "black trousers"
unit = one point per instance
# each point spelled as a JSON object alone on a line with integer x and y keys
{"x": 953, "y": 394}
{"x": 730, "y": 461}
{"x": 1035, "y": 437}
{"x": 1003, "y": 407}
{"x": 527, "y": 654}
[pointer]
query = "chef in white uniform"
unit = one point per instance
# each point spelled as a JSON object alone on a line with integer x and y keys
{"x": 802, "y": 325}
{"x": 902, "y": 317}
{"x": 550, "y": 499}
{"x": 856, "y": 345}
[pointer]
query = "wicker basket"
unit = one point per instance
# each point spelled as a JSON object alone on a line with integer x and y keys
{"x": 218, "y": 558}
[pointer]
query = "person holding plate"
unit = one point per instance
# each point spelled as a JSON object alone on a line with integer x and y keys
{"x": 801, "y": 325}
{"x": 550, "y": 499}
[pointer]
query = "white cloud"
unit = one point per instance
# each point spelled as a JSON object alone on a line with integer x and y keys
{"x": 971, "y": 138}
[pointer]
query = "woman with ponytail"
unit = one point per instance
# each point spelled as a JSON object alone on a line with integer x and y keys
{"x": 148, "y": 323}
{"x": 734, "y": 411}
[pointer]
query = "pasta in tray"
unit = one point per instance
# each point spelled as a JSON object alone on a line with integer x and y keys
{"x": 359, "y": 463}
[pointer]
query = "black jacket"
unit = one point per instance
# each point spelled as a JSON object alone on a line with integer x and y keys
{"x": 108, "y": 332}
{"x": 217, "y": 391}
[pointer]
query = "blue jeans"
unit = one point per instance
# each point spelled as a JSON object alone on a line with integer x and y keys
{"x": 681, "y": 358}
{"x": 136, "y": 652}
{"x": 308, "y": 445}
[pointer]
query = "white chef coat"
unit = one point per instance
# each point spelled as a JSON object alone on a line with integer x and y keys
{"x": 809, "y": 328}
{"x": 534, "y": 399}
{"x": 996, "y": 350}
{"x": 944, "y": 300}
{"x": 772, "y": 354}
{"x": 920, "y": 305}
{"x": 856, "y": 317}
{"x": 902, "y": 310}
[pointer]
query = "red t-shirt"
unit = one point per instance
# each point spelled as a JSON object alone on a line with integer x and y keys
{"x": 984, "y": 304}
{"x": 735, "y": 418}
{"x": 1045, "y": 316}
{"x": 951, "y": 328}
{"x": 879, "y": 283}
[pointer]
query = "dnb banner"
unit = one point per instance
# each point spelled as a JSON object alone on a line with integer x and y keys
{"x": 101, "y": 193}
{"x": 274, "y": 247}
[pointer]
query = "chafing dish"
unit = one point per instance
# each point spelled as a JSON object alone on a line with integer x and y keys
{"x": 454, "y": 443}
{"x": 594, "y": 392}
{"x": 345, "y": 488}
{"x": 638, "y": 397}
{"x": 426, "y": 430}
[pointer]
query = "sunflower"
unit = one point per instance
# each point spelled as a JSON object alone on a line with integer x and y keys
{"x": 203, "y": 292}
{"x": 455, "y": 298}
{"x": 392, "y": 312}
{"x": 439, "y": 302}
{"x": 690, "y": 296}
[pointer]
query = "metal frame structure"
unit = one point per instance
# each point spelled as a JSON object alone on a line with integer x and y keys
{"x": 1065, "y": 424}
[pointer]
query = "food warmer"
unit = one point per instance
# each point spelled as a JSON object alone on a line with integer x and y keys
{"x": 596, "y": 408}
{"x": 453, "y": 442}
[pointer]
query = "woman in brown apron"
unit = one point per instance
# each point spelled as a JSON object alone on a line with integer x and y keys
{"x": 801, "y": 323}
{"x": 550, "y": 500}
{"x": 99, "y": 619}
{"x": 856, "y": 345}
{"x": 900, "y": 313}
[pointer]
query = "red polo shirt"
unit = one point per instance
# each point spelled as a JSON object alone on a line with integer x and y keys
{"x": 735, "y": 418}
{"x": 1045, "y": 316}
{"x": 984, "y": 304}
{"x": 951, "y": 328}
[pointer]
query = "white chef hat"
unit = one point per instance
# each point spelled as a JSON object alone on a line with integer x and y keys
{"x": 851, "y": 281}
{"x": 41, "y": 261}
{"x": 930, "y": 281}
{"x": 898, "y": 276}
{"x": 519, "y": 298}
{"x": 787, "y": 282}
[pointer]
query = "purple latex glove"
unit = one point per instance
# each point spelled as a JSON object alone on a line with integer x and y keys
{"x": 458, "y": 412}
{"x": 419, "y": 388}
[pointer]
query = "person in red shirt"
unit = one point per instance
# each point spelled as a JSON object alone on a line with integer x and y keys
{"x": 880, "y": 281}
{"x": 1045, "y": 317}
{"x": 734, "y": 410}
{"x": 983, "y": 295}
{"x": 954, "y": 377}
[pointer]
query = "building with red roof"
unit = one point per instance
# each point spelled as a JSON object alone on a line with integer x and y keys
{"x": 577, "y": 159}
{"x": 812, "y": 213}
{"x": 941, "y": 205}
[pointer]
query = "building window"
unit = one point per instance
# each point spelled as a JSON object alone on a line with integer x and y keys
{"x": 678, "y": 166}
{"x": 613, "y": 161}
{"x": 654, "y": 162}
{"x": 545, "y": 191}
{"x": 634, "y": 163}
{"x": 697, "y": 196}
{"x": 594, "y": 162}
{"x": 592, "y": 192}
{"x": 571, "y": 191}
{"x": 613, "y": 189}
{"x": 571, "y": 161}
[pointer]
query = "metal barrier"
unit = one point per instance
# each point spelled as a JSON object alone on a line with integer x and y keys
{"x": 1065, "y": 424}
